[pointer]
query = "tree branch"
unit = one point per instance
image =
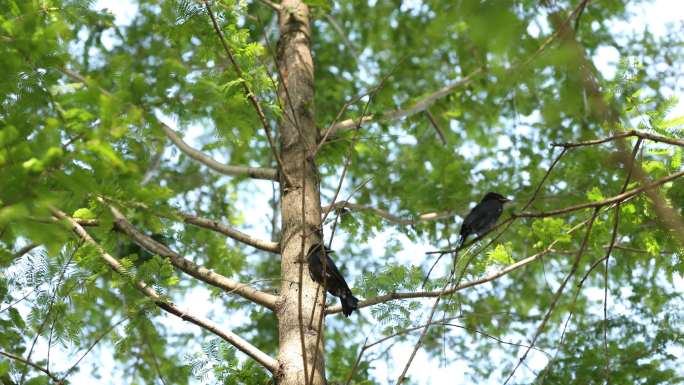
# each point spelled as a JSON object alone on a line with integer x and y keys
{"x": 436, "y": 126}
{"x": 428, "y": 294}
{"x": 625, "y": 134}
{"x": 340, "y": 32}
{"x": 615, "y": 199}
{"x": 25, "y": 249}
{"x": 244, "y": 346}
{"x": 420, "y": 106}
{"x": 613, "y": 237}
{"x": 253, "y": 172}
{"x": 189, "y": 267}
{"x": 388, "y": 216}
{"x": 273, "y": 247}
{"x": 33, "y": 365}
{"x": 476, "y": 282}
{"x": 608, "y": 116}
{"x": 425, "y": 102}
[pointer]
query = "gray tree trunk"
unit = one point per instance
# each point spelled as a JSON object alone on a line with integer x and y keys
{"x": 298, "y": 312}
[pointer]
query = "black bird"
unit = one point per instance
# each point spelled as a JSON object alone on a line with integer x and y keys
{"x": 332, "y": 280}
{"x": 483, "y": 216}
{"x": 480, "y": 219}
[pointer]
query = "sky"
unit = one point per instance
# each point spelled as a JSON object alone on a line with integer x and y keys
{"x": 655, "y": 17}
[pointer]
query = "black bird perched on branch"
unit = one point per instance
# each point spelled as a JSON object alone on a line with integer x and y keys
{"x": 318, "y": 258}
{"x": 480, "y": 219}
{"x": 483, "y": 216}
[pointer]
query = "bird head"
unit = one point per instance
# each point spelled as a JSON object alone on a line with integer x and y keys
{"x": 492, "y": 196}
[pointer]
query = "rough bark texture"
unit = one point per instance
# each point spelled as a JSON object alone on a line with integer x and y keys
{"x": 298, "y": 318}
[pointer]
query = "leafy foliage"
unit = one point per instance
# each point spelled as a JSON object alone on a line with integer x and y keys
{"x": 85, "y": 92}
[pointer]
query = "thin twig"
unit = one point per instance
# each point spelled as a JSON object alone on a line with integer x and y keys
{"x": 300, "y": 281}
{"x": 434, "y": 124}
{"x": 33, "y": 365}
{"x": 557, "y": 295}
{"x": 51, "y": 303}
{"x": 608, "y": 201}
{"x": 20, "y": 253}
{"x": 92, "y": 345}
{"x": 356, "y": 361}
{"x": 426, "y": 328}
{"x": 546, "y": 175}
{"x": 622, "y": 135}
{"x": 433, "y": 216}
{"x": 616, "y": 220}
{"x": 250, "y": 96}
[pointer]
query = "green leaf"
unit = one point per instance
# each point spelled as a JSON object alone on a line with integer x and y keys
{"x": 16, "y": 318}
{"x": 677, "y": 122}
{"x": 595, "y": 195}
{"x": 84, "y": 213}
{"x": 501, "y": 254}
{"x": 676, "y": 160}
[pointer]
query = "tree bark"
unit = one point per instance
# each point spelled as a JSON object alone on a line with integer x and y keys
{"x": 300, "y": 350}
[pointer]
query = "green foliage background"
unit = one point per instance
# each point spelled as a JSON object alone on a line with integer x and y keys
{"x": 81, "y": 96}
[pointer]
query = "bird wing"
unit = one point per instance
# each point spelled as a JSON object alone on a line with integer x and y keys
{"x": 487, "y": 214}
{"x": 483, "y": 216}
{"x": 334, "y": 278}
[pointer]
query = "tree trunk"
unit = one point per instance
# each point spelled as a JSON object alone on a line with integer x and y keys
{"x": 298, "y": 313}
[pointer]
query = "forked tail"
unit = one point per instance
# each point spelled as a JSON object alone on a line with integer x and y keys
{"x": 349, "y": 304}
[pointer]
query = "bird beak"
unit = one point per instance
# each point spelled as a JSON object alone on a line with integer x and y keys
{"x": 506, "y": 200}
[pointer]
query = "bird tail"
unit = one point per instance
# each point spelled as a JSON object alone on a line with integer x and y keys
{"x": 349, "y": 304}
